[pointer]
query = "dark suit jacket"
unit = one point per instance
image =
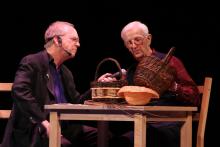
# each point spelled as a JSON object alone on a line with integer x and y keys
{"x": 32, "y": 89}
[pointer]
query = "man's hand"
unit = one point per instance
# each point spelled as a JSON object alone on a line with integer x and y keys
{"x": 173, "y": 87}
{"x": 107, "y": 78}
{"x": 46, "y": 125}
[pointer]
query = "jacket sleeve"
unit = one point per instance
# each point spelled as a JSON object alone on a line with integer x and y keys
{"x": 186, "y": 89}
{"x": 85, "y": 96}
{"x": 22, "y": 91}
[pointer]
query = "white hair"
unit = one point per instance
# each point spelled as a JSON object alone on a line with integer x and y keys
{"x": 54, "y": 29}
{"x": 135, "y": 25}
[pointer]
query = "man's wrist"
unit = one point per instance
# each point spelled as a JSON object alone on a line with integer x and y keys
{"x": 175, "y": 86}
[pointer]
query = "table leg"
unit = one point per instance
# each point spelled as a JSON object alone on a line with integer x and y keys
{"x": 103, "y": 134}
{"x": 186, "y": 132}
{"x": 55, "y": 132}
{"x": 140, "y": 124}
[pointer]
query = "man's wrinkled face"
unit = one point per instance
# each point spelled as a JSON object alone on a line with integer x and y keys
{"x": 137, "y": 42}
{"x": 70, "y": 40}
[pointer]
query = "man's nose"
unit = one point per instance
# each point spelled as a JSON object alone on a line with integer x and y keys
{"x": 133, "y": 44}
{"x": 78, "y": 44}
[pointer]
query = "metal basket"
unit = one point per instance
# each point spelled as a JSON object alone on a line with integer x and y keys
{"x": 155, "y": 73}
{"x": 107, "y": 91}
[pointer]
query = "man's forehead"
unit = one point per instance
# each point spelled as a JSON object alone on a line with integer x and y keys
{"x": 132, "y": 33}
{"x": 67, "y": 28}
{"x": 70, "y": 30}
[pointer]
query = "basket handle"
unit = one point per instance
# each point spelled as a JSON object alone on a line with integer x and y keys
{"x": 165, "y": 61}
{"x": 167, "y": 58}
{"x": 108, "y": 59}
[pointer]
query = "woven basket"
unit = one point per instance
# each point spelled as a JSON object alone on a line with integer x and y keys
{"x": 155, "y": 73}
{"x": 107, "y": 91}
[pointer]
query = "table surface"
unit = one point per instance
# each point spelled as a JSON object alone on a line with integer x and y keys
{"x": 102, "y": 107}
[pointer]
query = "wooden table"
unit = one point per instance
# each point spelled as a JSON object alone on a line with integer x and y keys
{"x": 112, "y": 112}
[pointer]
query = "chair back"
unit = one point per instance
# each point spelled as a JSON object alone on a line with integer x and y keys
{"x": 201, "y": 116}
{"x": 5, "y": 87}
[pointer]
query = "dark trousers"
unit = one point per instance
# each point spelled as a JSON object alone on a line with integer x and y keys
{"x": 87, "y": 138}
{"x": 158, "y": 134}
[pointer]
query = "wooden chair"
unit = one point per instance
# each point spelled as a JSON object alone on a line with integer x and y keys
{"x": 5, "y": 114}
{"x": 201, "y": 116}
{"x": 5, "y": 87}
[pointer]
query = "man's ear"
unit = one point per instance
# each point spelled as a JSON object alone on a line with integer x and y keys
{"x": 149, "y": 37}
{"x": 57, "y": 41}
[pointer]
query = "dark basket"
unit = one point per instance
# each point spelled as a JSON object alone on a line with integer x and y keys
{"x": 107, "y": 91}
{"x": 155, "y": 73}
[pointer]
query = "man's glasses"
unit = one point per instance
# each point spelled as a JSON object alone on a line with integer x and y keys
{"x": 136, "y": 40}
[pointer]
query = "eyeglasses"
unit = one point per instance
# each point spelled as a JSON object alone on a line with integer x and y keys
{"x": 138, "y": 40}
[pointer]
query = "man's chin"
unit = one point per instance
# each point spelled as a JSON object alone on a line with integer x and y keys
{"x": 138, "y": 58}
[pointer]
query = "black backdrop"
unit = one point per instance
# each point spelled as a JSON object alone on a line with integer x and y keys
{"x": 192, "y": 28}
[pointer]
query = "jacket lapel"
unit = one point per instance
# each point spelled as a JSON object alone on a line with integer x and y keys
{"x": 46, "y": 72}
{"x": 50, "y": 84}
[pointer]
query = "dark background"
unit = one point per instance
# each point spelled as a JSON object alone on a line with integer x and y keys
{"x": 193, "y": 28}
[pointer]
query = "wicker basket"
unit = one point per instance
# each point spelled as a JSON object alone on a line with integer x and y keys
{"x": 107, "y": 91}
{"x": 155, "y": 73}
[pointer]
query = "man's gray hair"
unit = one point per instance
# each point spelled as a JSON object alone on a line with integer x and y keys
{"x": 137, "y": 25}
{"x": 54, "y": 29}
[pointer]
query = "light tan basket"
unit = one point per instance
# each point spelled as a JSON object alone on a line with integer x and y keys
{"x": 107, "y": 91}
{"x": 137, "y": 95}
